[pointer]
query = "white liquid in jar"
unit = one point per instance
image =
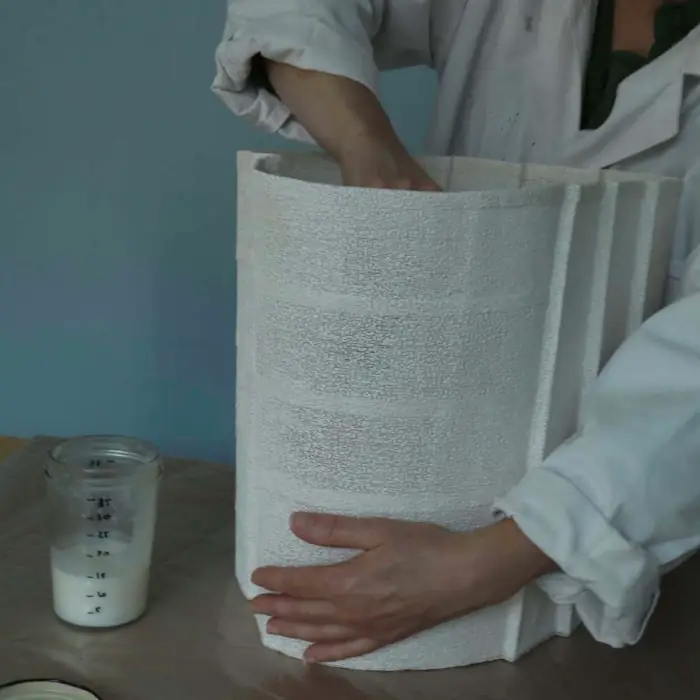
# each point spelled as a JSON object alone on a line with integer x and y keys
{"x": 98, "y": 591}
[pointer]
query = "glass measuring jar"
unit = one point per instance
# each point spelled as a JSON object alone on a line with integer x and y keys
{"x": 102, "y": 493}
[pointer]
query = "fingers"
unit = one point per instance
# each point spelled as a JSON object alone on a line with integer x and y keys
{"x": 339, "y": 651}
{"x": 429, "y": 186}
{"x": 340, "y": 531}
{"x": 295, "y": 610}
{"x": 328, "y": 642}
{"x": 311, "y": 621}
{"x": 422, "y": 184}
{"x": 310, "y": 632}
{"x": 309, "y": 582}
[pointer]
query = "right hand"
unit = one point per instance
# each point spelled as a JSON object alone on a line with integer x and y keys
{"x": 378, "y": 165}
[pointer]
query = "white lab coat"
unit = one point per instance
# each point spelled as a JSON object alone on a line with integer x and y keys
{"x": 619, "y": 504}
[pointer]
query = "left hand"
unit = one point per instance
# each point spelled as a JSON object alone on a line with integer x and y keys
{"x": 409, "y": 577}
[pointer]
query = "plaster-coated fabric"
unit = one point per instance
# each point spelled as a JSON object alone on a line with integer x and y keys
{"x": 412, "y": 354}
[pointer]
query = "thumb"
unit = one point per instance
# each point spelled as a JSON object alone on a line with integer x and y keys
{"x": 340, "y": 531}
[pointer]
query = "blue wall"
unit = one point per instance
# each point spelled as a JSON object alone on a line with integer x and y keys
{"x": 117, "y": 181}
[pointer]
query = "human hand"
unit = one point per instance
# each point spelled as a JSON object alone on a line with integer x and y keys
{"x": 383, "y": 164}
{"x": 348, "y": 121}
{"x": 409, "y": 577}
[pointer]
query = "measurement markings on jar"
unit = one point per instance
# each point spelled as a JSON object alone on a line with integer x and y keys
{"x": 98, "y": 553}
{"x": 101, "y": 515}
{"x": 98, "y": 462}
{"x": 97, "y": 576}
{"x": 100, "y": 501}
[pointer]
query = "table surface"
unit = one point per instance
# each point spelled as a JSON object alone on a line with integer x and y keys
{"x": 198, "y": 639}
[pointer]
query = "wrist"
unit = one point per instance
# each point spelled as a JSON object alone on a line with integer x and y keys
{"x": 359, "y": 123}
{"x": 516, "y": 547}
{"x": 358, "y": 139}
{"x": 490, "y": 565}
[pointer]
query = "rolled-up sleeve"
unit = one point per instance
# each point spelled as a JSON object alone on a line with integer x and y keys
{"x": 349, "y": 38}
{"x": 619, "y": 504}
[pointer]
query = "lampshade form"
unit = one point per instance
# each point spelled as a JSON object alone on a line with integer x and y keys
{"x": 412, "y": 354}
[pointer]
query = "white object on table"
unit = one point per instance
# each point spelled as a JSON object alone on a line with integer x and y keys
{"x": 411, "y": 354}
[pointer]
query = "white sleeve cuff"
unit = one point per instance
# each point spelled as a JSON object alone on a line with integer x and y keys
{"x": 298, "y": 40}
{"x": 613, "y": 583}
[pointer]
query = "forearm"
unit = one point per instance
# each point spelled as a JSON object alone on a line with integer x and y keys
{"x": 340, "y": 114}
{"x": 505, "y": 559}
{"x": 490, "y": 565}
{"x": 528, "y": 560}
{"x": 618, "y": 504}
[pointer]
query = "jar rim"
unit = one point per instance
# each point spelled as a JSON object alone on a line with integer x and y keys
{"x": 104, "y": 457}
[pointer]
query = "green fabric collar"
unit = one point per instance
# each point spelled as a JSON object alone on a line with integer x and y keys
{"x": 607, "y": 68}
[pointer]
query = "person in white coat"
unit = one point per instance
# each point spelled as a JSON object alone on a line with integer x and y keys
{"x": 587, "y": 83}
